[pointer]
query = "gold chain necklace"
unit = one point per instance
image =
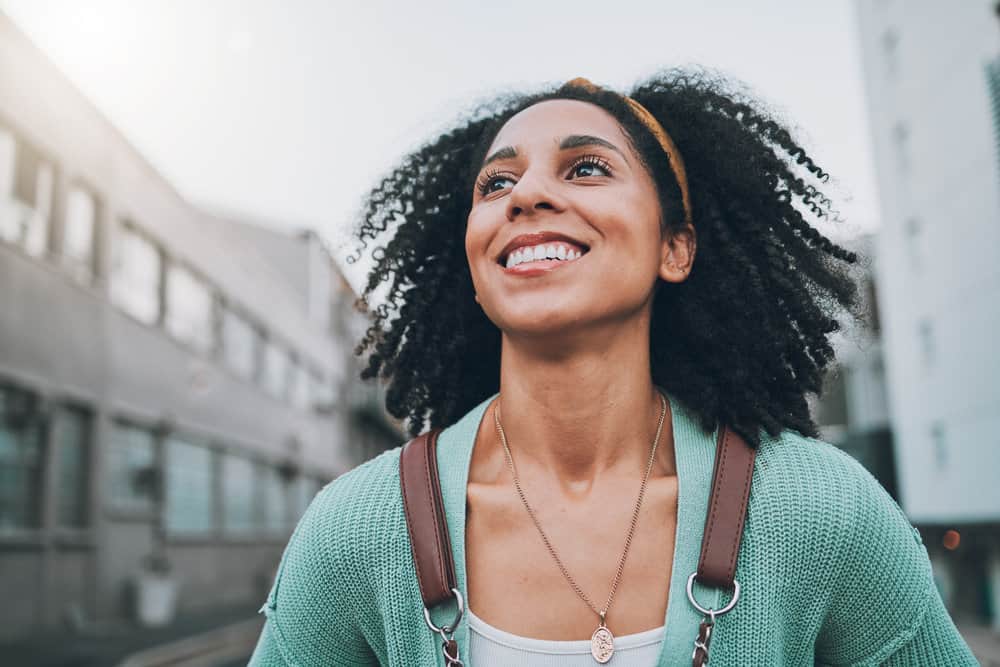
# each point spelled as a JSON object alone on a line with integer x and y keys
{"x": 602, "y": 642}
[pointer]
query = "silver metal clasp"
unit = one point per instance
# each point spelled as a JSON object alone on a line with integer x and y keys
{"x": 447, "y": 632}
{"x": 705, "y": 631}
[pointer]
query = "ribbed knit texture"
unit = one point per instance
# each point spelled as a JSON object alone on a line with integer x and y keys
{"x": 494, "y": 647}
{"x": 831, "y": 570}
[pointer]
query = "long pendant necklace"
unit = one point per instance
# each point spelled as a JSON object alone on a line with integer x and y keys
{"x": 602, "y": 642}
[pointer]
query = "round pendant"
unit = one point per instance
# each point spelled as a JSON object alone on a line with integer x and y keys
{"x": 602, "y": 644}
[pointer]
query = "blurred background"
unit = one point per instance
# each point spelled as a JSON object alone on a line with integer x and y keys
{"x": 178, "y": 182}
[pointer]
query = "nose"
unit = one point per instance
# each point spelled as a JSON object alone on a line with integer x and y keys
{"x": 533, "y": 192}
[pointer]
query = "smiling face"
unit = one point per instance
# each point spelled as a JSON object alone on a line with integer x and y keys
{"x": 565, "y": 226}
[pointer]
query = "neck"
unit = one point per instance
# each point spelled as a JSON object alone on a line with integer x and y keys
{"x": 584, "y": 414}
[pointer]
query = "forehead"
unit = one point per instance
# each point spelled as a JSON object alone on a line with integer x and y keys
{"x": 553, "y": 119}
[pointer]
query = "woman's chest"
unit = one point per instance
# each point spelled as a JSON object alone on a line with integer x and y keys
{"x": 516, "y": 583}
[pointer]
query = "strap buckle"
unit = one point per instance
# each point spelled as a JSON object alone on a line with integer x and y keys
{"x": 449, "y": 646}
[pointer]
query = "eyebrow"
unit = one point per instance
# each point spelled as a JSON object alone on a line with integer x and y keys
{"x": 572, "y": 141}
{"x": 505, "y": 153}
{"x": 579, "y": 140}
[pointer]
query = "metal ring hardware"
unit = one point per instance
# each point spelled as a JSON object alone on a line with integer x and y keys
{"x": 458, "y": 616}
{"x": 712, "y": 613}
{"x": 447, "y": 632}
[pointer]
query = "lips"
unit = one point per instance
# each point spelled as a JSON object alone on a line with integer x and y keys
{"x": 538, "y": 267}
{"x": 526, "y": 240}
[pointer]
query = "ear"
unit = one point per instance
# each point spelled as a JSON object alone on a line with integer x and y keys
{"x": 677, "y": 254}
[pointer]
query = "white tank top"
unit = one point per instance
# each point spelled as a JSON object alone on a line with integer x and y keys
{"x": 492, "y": 647}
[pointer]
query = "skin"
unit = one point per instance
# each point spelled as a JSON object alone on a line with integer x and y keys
{"x": 577, "y": 401}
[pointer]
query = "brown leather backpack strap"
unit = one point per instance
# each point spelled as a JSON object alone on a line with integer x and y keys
{"x": 425, "y": 519}
{"x": 720, "y": 544}
{"x": 423, "y": 507}
{"x": 727, "y": 510}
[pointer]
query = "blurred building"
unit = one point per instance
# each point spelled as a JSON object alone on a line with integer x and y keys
{"x": 854, "y": 410}
{"x": 174, "y": 386}
{"x": 935, "y": 120}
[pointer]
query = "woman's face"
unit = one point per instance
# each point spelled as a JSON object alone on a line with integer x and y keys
{"x": 561, "y": 178}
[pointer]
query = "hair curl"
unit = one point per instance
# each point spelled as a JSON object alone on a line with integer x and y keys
{"x": 741, "y": 341}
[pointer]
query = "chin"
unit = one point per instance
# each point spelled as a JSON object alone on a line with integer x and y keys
{"x": 553, "y": 324}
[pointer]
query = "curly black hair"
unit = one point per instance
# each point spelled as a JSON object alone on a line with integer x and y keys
{"x": 741, "y": 341}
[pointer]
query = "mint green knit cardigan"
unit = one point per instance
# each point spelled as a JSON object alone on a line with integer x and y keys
{"x": 832, "y": 572}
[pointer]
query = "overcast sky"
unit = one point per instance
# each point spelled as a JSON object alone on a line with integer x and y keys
{"x": 287, "y": 111}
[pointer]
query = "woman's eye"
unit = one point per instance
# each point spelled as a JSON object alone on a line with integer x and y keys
{"x": 589, "y": 167}
{"x": 497, "y": 183}
{"x": 494, "y": 181}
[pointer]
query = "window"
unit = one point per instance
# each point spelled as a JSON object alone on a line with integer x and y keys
{"x": 275, "y": 376}
{"x": 78, "y": 231}
{"x": 237, "y": 495}
{"x": 291, "y": 389}
{"x": 322, "y": 391}
{"x": 306, "y": 489}
{"x": 131, "y": 470}
{"x": 925, "y": 331}
{"x": 901, "y": 145}
{"x": 135, "y": 276}
{"x": 890, "y": 53}
{"x": 8, "y": 153}
{"x": 240, "y": 344}
{"x": 992, "y": 83}
{"x": 71, "y": 442}
{"x": 27, "y": 181}
{"x": 873, "y": 310}
{"x": 939, "y": 444}
{"x": 917, "y": 242}
{"x": 833, "y": 401}
{"x": 300, "y": 389}
{"x": 189, "y": 315}
{"x": 21, "y": 442}
{"x": 275, "y": 494}
{"x": 189, "y": 496}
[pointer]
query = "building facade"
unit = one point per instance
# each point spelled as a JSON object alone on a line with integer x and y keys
{"x": 853, "y": 412}
{"x": 930, "y": 72}
{"x": 175, "y": 386}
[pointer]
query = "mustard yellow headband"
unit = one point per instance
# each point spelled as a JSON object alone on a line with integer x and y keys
{"x": 666, "y": 143}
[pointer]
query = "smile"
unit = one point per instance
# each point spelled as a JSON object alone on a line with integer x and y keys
{"x": 541, "y": 258}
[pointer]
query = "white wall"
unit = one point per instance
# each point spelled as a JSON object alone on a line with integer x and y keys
{"x": 938, "y": 274}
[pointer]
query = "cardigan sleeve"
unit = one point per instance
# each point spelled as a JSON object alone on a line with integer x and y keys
{"x": 884, "y": 606}
{"x": 310, "y": 609}
{"x": 937, "y": 642}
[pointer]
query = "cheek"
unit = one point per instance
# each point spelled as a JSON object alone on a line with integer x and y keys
{"x": 645, "y": 221}
{"x": 629, "y": 252}
{"x": 631, "y": 221}
{"x": 473, "y": 235}
{"x": 477, "y": 239}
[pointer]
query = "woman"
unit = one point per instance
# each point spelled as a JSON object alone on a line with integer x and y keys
{"x": 582, "y": 288}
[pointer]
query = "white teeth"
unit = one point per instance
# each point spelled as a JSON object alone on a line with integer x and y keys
{"x": 540, "y": 252}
